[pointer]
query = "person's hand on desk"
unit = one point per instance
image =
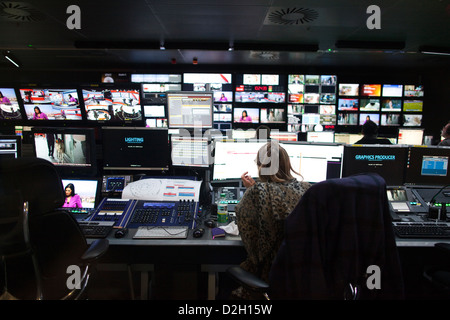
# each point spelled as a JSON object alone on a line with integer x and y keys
{"x": 247, "y": 180}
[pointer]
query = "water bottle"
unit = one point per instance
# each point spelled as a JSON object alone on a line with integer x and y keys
{"x": 222, "y": 209}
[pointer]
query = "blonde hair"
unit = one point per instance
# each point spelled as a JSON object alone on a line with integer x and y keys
{"x": 281, "y": 170}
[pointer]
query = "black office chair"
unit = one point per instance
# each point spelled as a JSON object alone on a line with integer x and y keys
{"x": 41, "y": 246}
{"x": 339, "y": 229}
{"x": 439, "y": 275}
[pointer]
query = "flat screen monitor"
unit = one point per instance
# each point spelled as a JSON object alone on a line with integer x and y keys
{"x": 320, "y": 136}
{"x": 315, "y": 161}
{"x": 370, "y": 105}
{"x": 190, "y": 110}
{"x": 191, "y": 151}
{"x": 71, "y": 150}
{"x": 363, "y": 117}
{"x": 135, "y": 148}
{"x": 410, "y": 136}
{"x": 260, "y": 88}
{"x": 10, "y": 146}
{"x": 388, "y": 161}
{"x": 9, "y": 105}
{"x": 413, "y": 91}
{"x": 392, "y": 90}
{"x": 245, "y": 115}
{"x": 428, "y": 165}
{"x": 347, "y": 138}
{"x": 391, "y": 105}
{"x": 283, "y": 135}
{"x": 51, "y": 104}
{"x": 86, "y": 189}
{"x": 412, "y": 120}
{"x": 390, "y": 119}
{"x": 412, "y": 105}
{"x": 371, "y": 90}
{"x": 347, "y": 118}
{"x": 273, "y": 115}
{"x": 233, "y": 157}
{"x": 349, "y": 89}
{"x": 348, "y": 104}
{"x": 112, "y": 104}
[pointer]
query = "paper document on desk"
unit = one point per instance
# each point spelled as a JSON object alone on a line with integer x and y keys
{"x": 162, "y": 190}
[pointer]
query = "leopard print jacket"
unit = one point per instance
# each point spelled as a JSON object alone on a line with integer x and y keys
{"x": 260, "y": 218}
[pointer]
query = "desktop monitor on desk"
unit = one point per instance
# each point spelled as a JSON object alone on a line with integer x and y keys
{"x": 410, "y": 136}
{"x": 10, "y": 146}
{"x": 233, "y": 157}
{"x": 191, "y": 151}
{"x": 389, "y": 161}
{"x": 428, "y": 166}
{"x": 87, "y": 189}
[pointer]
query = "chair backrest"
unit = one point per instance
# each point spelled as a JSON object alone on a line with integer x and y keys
{"x": 339, "y": 234}
{"x": 55, "y": 237}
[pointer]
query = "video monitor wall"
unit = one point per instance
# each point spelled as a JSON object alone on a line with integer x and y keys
{"x": 312, "y": 101}
{"x": 389, "y": 105}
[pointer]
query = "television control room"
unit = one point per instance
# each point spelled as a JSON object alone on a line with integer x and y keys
{"x": 217, "y": 151}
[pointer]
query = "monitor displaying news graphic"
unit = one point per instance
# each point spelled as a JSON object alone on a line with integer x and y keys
{"x": 348, "y": 89}
{"x": 245, "y": 115}
{"x": 51, "y": 104}
{"x": 371, "y": 90}
{"x": 9, "y": 106}
{"x": 348, "y": 104}
{"x": 370, "y": 105}
{"x": 392, "y": 90}
{"x": 273, "y": 115}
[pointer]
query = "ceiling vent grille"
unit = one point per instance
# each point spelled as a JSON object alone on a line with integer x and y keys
{"x": 292, "y": 16}
{"x": 19, "y": 12}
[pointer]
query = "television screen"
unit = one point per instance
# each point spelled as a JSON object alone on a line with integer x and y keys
{"x": 156, "y": 78}
{"x": 190, "y": 110}
{"x": 86, "y": 189}
{"x": 428, "y": 165}
{"x": 111, "y": 104}
{"x": 371, "y": 90}
{"x": 414, "y": 91}
{"x": 363, "y": 117}
{"x": 370, "y": 105}
{"x": 392, "y": 90}
{"x": 51, "y": 104}
{"x": 10, "y": 146}
{"x": 412, "y": 120}
{"x": 260, "y": 88}
{"x": 260, "y": 97}
{"x": 328, "y": 80}
{"x": 71, "y": 150}
{"x": 154, "y": 111}
{"x": 320, "y": 136}
{"x": 391, "y": 105}
{"x": 348, "y": 89}
{"x": 245, "y": 115}
{"x": 9, "y": 105}
{"x": 135, "y": 148}
{"x": 388, "y": 161}
{"x": 349, "y": 118}
{"x": 347, "y": 138}
{"x": 311, "y": 98}
{"x": 348, "y": 104}
{"x": 273, "y": 115}
{"x": 390, "y": 119}
{"x": 413, "y": 106}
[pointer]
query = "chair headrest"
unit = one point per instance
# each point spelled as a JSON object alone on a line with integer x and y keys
{"x": 36, "y": 180}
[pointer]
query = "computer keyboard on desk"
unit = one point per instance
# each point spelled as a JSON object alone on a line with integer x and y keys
{"x": 96, "y": 229}
{"x": 422, "y": 229}
{"x": 159, "y": 232}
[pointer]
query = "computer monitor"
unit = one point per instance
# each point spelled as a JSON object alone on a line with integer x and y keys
{"x": 10, "y": 147}
{"x": 190, "y": 110}
{"x": 9, "y": 105}
{"x": 320, "y": 136}
{"x": 87, "y": 190}
{"x": 388, "y": 161}
{"x": 135, "y": 148}
{"x": 315, "y": 161}
{"x": 71, "y": 150}
{"x": 233, "y": 157}
{"x": 187, "y": 151}
{"x": 410, "y": 136}
{"x": 428, "y": 165}
{"x": 347, "y": 138}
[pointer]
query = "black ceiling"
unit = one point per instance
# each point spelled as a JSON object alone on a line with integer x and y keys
{"x": 128, "y": 34}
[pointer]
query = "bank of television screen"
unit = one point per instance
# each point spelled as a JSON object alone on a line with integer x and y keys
{"x": 371, "y": 90}
{"x": 112, "y": 104}
{"x": 135, "y": 148}
{"x": 190, "y": 110}
{"x": 349, "y": 89}
{"x": 51, "y": 104}
{"x": 71, "y": 150}
{"x": 388, "y": 161}
{"x": 260, "y": 88}
{"x": 9, "y": 105}
{"x": 428, "y": 165}
{"x": 392, "y": 90}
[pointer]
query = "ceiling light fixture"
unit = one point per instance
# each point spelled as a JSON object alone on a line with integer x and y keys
{"x": 10, "y": 58}
{"x": 440, "y": 51}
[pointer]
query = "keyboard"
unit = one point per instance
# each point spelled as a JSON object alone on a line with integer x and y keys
{"x": 159, "y": 232}
{"x": 96, "y": 229}
{"x": 422, "y": 229}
